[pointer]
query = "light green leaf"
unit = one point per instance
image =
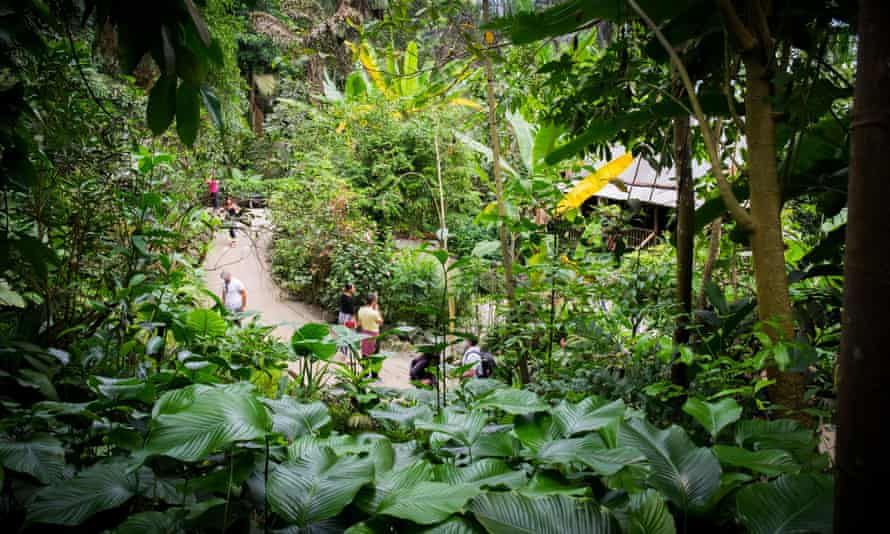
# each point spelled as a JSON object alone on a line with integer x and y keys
{"x": 152, "y": 523}
{"x": 590, "y": 414}
{"x": 714, "y": 416}
{"x": 426, "y": 503}
{"x": 213, "y": 419}
{"x": 465, "y": 428}
{"x": 789, "y": 504}
{"x": 317, "y": 486}
{"x": 402, "y": 415}
{"x": 294, "y": 419}
{"x": 483, "y": 473}
{"x": 506, "y": 513}
{"x": 486, "y": 248}
{"x": 512, "y": 401}
{"x": 8, "y": 297}
{"x": 545, "y": 483}
{"x": 205, "y": 323}
{"x": 767, "y": 462}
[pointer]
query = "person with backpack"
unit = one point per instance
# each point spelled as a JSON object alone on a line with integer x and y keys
{"x": 484, "y": 362}
{"x": 419, "y": 371}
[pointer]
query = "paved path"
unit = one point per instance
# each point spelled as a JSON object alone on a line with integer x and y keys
{"x": 248, "y": 261}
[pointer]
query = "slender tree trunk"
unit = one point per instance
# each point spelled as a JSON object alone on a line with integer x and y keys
{"x": 506, "y": 248}
{"x": 864, "y": 374}
{"x": 713, "y": 254}
{"x": 767, "y": 245}
{"x": 685, "y": 241}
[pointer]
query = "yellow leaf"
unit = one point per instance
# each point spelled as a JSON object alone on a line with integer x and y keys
{"x": 589, "y": 186}
{"x": 341, "y": 127}
{"x": 489, "y": 37}
{"x": 466, "y": 102}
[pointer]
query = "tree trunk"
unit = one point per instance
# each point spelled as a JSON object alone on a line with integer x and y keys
{"x": 685, "y": 241}
{"x": 506, "y": 249}
{"x": 864, "y": 373}
{"x": 713, "y": 254}
{"x": 767, "y": 246}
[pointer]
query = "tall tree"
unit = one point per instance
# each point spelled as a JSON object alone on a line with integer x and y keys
{"x": 864, "y": 374}
{"x": 685, "y": 239}
{"x": 506, "y": 247}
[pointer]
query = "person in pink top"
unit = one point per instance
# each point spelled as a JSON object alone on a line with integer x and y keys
{"x": 213, "y": 187}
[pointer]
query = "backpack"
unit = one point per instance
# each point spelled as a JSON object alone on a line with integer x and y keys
{"x": 488, "y": 364}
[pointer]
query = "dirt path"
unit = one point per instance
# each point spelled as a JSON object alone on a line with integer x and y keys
{"x": 248, "y": 262}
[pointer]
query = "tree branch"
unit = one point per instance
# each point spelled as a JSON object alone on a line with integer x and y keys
{"x": 738, "y": 213}
{"x": 736, "y": 26}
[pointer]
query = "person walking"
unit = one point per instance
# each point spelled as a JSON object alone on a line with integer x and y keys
{"x": 369, "y": 321}
{"x": 232, "y": 212}
{"x": 213, "y": 188}
{"x": 346, "y": 317}
{"x": 234, "y": 294}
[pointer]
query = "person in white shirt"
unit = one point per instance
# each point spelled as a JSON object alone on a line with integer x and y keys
{"x": 472, "y": 354}
{"x": 234, "y": 294}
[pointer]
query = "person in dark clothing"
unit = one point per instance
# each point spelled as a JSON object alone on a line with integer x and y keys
{"x": 347, "y": 306}
{"x": 232, "y": 215}
{"x": 419, "y": 371}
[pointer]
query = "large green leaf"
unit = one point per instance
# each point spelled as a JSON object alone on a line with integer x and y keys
{"x": 647, "y": 513}
{"x": 768, "y": 462}
{"x": 119, "y": 389}
{"x": 484, "y": 151}
{"x": 100, "y": 487}
{"x": 684, "y": 473}
{"x": 40, "y": 456}
{"x": 464, "y": 428}
{"x": 782, "y": 434}
{"x": 188, "y": 112}
{"x": 427, "y": 503}
{"x": 506, "y": 513}
{"x": 162, "y": 104}
{"x": 294, "y": 419}
{"x": 497, "y": 444}
{"x": 714, "y": 416}
{"x": 313, "y": 340}
{"x": 789, "y": 504}
{"x": 590, "y": 414}
{"x": 317, "y": 486}
{"x": 205, "y": 323}
{"x": 402, "y": 415}
{"x": 390, "y": 483}
{"x": 151, "y": 523}
{"x": 534, "y": 430}
{"x": 483, "y": 473}
{"x": 525, "y": 138}
{"x": 209, "y": 421}
{"x": 455, "y": 525}
{"x": 545, "y": 483}
{"x": 513, "y": 401}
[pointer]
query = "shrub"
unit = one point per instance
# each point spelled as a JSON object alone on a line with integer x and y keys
{"x": 415, "y": 286}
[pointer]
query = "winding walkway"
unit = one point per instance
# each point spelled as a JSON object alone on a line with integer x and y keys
{"x": 249, "y": 262}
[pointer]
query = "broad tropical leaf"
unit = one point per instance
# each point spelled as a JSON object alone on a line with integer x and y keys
{"x": 506, "y": 513}
{"x": 525, "y": 138}
{"x": 782, "y": 434}
{"x": 484, "y": 151}
{"x": 152, "y": 523}
{"x": 402, "y": 415}
{"x": 497, "y": 444}
{"x": 647, "y": 513}
{"x": 684, "y": 473}
{"x": 317, "y": 486}
{"x": 123, "y": 388}
{"x": 591, "y": 184}
{"x": 41, "y": 456}
{"x": 205, "y": 323}
{"x": 98, "y": 488}
{"x": 426, "y": 503}
{"x": 545, "y": 483}
{"x": 791, "y": 503}
{"x": 513, "y": 401}
{"x": 714, "y": 416}
{"x": 389, "y": 483}
{"x": 483, "y": 473}
{"x": 314, "y": 340}
{"x": 294, "y": 419}
{"x": 768, "y": 462}
{"x": 590, "y": 414}
{"x": 465, "y": 428}
{"x": 455, "y": 525}
{"x": 534, "y": 430}
{"x": 212, "y": 420}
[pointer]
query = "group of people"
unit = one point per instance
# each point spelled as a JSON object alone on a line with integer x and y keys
{"x": 232, "y": 211}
